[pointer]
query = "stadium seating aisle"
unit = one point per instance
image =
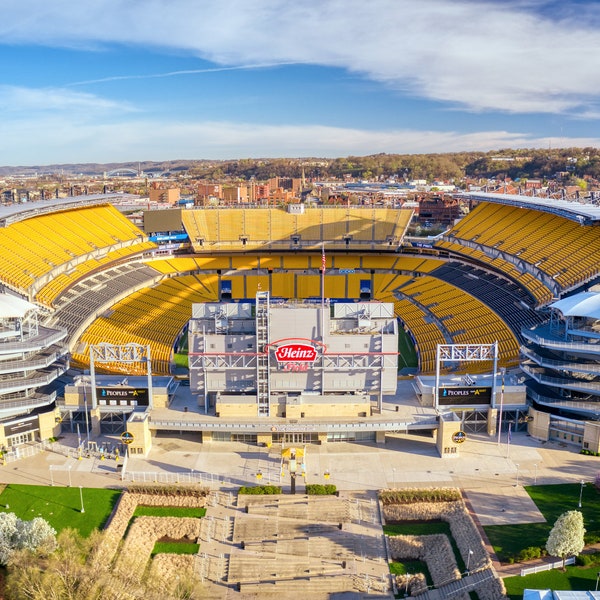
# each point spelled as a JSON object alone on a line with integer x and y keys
{"x": 153, "y": 316}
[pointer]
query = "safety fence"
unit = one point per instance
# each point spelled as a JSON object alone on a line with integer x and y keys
{"x": 547, "y": 566}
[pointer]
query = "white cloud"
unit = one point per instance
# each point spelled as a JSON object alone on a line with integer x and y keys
{"x": 482, "y": 55}
{"x": 28, "y": 101}
{"x": 46, "y": 140}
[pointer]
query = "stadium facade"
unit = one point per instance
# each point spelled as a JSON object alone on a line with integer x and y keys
{"x": 493, "y": 277}
{"x": 293, "y": 360}
{"x": 32, "y": 358}
{"x": 562, "y": 361}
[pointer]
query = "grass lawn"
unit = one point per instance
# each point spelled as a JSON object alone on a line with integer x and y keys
{"x": 553, "y": 501}
{"x": 575, "y": 578}
{"x": 181, "y": 360}
{"x": 175, "y": 548}
{"x": 169, "y": 511}
{"x": 60, "y": 506}
{"x": 408, "y": 354}
{"x": 411, "y": 566}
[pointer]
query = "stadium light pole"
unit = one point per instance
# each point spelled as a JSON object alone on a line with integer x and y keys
{"x": 87, "y": 424}
{"x": 502, "y": 373}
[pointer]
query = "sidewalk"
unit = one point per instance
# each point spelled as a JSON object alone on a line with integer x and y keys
{"x": 491, "y": 475}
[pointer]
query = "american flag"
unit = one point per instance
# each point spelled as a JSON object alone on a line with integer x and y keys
{"x": 323, "y": 257}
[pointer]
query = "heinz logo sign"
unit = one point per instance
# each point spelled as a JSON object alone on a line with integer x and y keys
{"x": 296, "y": 353}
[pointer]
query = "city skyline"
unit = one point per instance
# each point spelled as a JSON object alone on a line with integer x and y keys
{"x": 125, "y": 81}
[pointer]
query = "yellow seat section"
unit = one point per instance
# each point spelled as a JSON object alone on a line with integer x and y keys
{"x": 40, "y": 245}
{"x": 252, "y": 228}
{"x": 564, "y": 250}
{"x": 154, "y": 316}
{"x": 467, "y": 319}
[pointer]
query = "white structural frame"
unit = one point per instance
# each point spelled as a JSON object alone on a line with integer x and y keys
{"x": 463, "y": 353}
{"x": 123, "y": 353}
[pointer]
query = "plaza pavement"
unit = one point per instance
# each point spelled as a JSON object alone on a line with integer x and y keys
{"x": 492, "y": 475}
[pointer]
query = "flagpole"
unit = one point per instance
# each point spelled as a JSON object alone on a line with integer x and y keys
{"x": 323, "y": 291}
{"x": 508, "y": 439}
{"x": 323, "y": 317}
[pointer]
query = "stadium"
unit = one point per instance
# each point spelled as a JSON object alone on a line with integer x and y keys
{"x": 500, "y": 309}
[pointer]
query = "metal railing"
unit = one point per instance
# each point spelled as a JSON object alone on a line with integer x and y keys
{"x": 196, "y": 477}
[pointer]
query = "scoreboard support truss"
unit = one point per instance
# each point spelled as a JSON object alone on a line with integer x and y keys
{"x": 464, "y": 353}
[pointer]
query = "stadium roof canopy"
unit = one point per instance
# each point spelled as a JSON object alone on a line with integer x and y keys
{"x": 585, "y": 304}
{"x": 12, "y": 307}
{"x": 19, "y": 212}
{"x": 585, "y": 213}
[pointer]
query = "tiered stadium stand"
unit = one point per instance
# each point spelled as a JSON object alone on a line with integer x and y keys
{"x": 539, "y": 292}
{"x": 506, "y": 299}
{"x": 424, "y": 330}
{"x": 417, "y": 264}
{"x": 280, "y": 229}
{"x": 239, "y": 229}
{"x": 383, "y": 285}
{"x": 152, "y": 316}
{"x": 47, "y": 294}
{"x": 87, "y": 297}
{"x": 562, "y": 249}
{"x": 81, "y": 240}
{"x": 467, "y": 319}
{"x": 282, "y": 285}
{"x": 335, "y": 224}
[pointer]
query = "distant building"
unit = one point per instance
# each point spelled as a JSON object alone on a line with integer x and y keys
{"x": 235, "y": 194}
{"x": 164, "y": 196}
{"x": 209, "y": 190}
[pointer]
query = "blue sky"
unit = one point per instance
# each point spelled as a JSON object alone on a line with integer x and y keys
{"x": 128, "y": 80}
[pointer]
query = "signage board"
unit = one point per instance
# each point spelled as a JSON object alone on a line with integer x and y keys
{"x": 22, "y": 426}
{"x": 296, "y": 352}
{"x": 465, "y": 395}
{"x": 122, "y": 395}
{"x": 127, "y": 438}
{"x": 459, "y": 437}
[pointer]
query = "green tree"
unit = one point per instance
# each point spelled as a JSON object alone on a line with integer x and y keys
{"x": 566, "y": 537}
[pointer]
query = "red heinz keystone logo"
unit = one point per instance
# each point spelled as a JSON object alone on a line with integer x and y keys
{"x": 296, "y": 353}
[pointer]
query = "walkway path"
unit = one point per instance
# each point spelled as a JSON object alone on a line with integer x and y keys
{"x": 491, "y": 475}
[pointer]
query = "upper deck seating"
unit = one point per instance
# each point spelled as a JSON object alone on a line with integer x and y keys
{"x": 563, "y": 250}
{"x": 63, "y": 246}
{"x": 244, "y": 229}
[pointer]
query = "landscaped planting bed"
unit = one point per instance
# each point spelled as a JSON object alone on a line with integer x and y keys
{"x": 143, "y": 534}
{"x": 433, "y": 506}
{"x": 132, "y": 556}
